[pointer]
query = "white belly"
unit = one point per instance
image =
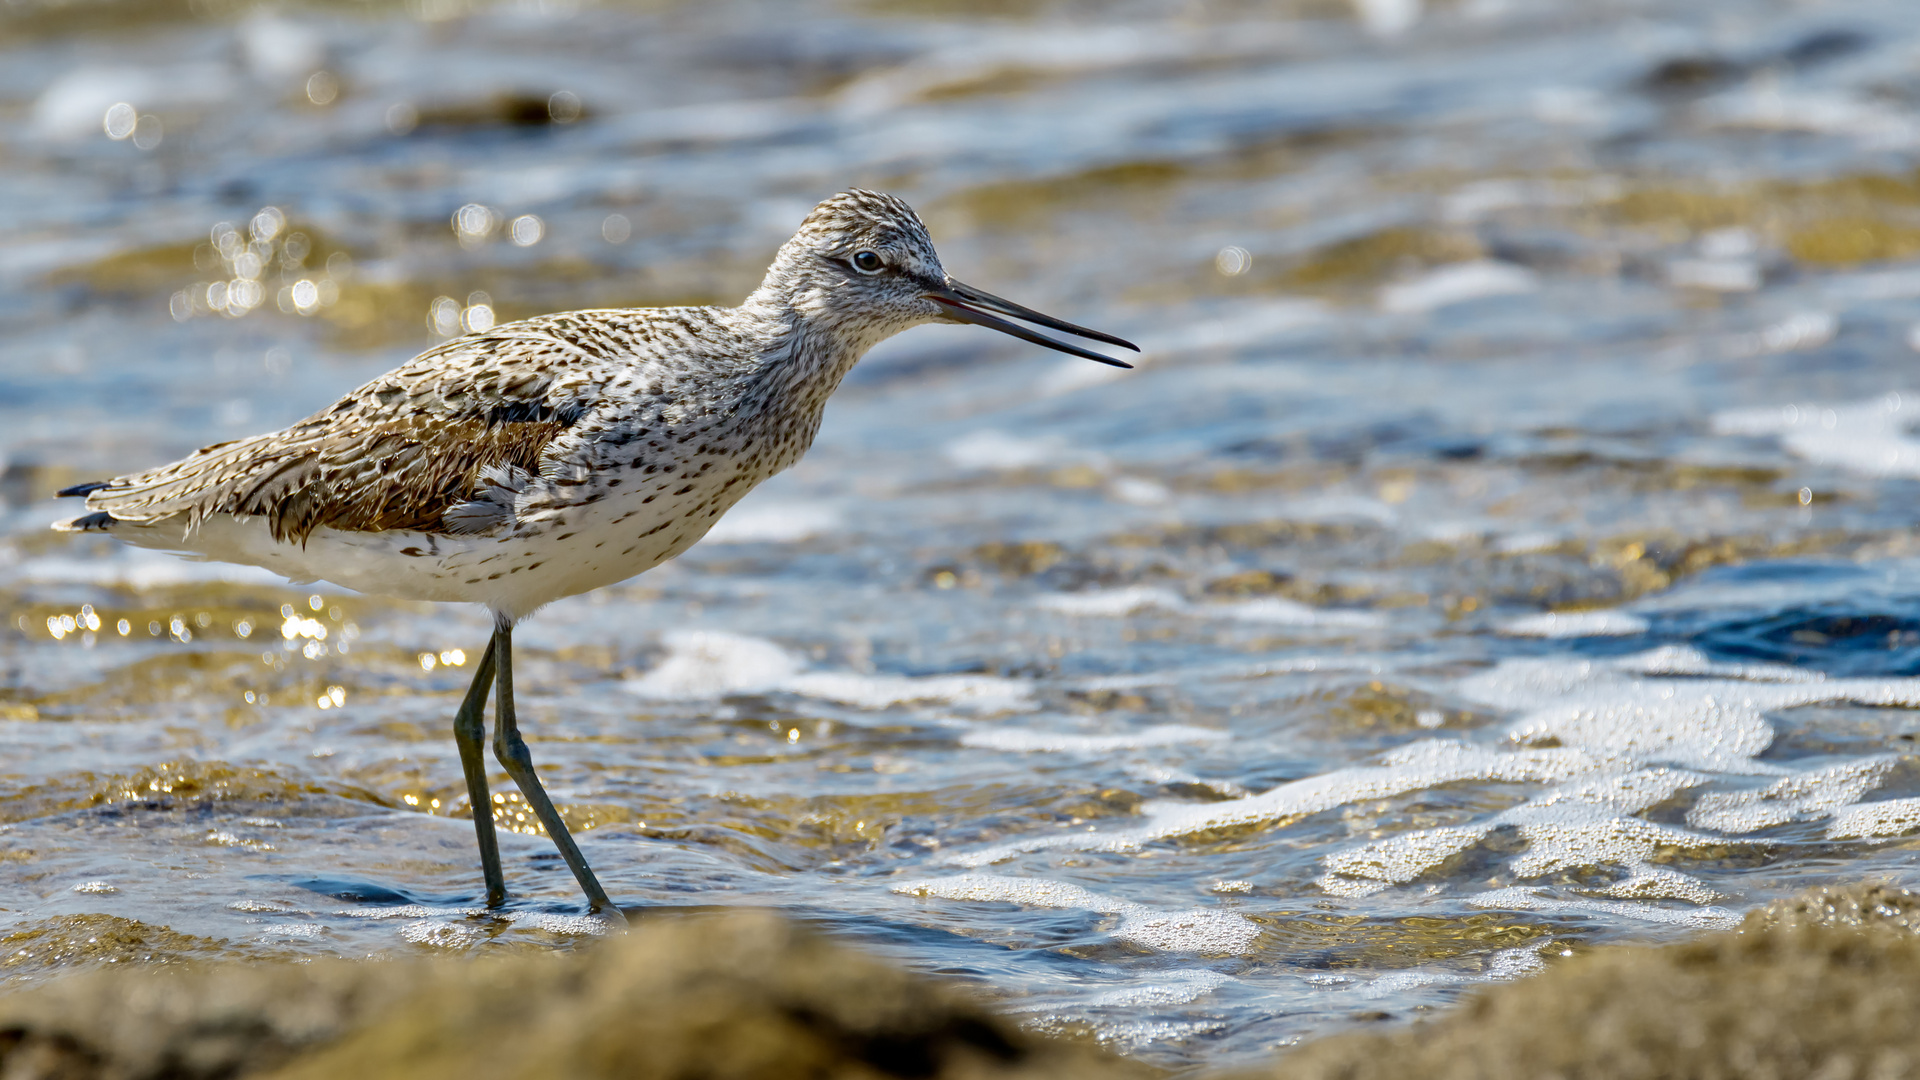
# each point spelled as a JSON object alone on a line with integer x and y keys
{"x": 512, "y": 571}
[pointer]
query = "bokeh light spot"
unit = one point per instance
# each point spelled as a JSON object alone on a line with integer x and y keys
{"x": 322, "y": 88}
{"x": 120, "y": 121}
{"x": 526, "y": 230}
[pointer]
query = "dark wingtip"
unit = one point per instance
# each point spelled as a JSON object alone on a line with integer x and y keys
{"x": 97, "y": 522}
{"x": 82, "y": 489}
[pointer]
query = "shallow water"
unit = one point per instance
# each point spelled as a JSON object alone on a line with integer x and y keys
{"x": 1505, "y": 546}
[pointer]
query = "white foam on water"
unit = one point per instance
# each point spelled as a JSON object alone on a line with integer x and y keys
{"x": 1586, "y": 823}
{"x": 1525, "y": 543}
{"x": 1612, "y": 739}
{"x": 1591, "y": 823}
{"x": 993, "y": 449}
{"x": 1128, "y": 1036}
{"x": 704, "y": 664}
{"x": 1396, "y": 860}
{"x": 1554, "y": 846}
{"x": 1523, "y": 899}
{"x": 1156, "y": 773}
{"x": 295, "y": 930}
{"x": 714, "y": 663}
{"x": 1065, "y": 742}
{"x": 229, "y": 838}
{"x": 773, "y": 523}
{"x": 71, "y": 106}
{"x": 1474, "y": 201}
{"x": 442, "y": 935}
{"x": 1168, "y": 988}
{"x": 1112, "y": 603}
{"x": 972, "y": 56}
{"x": 1709, "y": 723}
{"x": 980, "y": 693}
{"x": 1503, "y": 966}
{"x": 1457, "y": 283}
{"x": 1602, "y": 797}
{"x": 1576, "y": 624}
{"x": 1069, "y": 376}
{"x": 1335, "y": 509}
{"x": 1283, "y": 612}
{"x": 276, "y": 47}
{"x": 1897, "y": 284}
{"x": 1890, "y": 817}
{"x": 1388, "y": 18}
{"x": 411, "y": 911}
{"x": 1240, "y": 326}
{"x": 1801, "y": 330}
{"x": 1777, "y": 107}
{"x": 1803, "y": 796}
{"x": 572, "y": 925}
{"x": 1300, "y": 665}
{"x": 1409, "y": 768}
{"x": 1687, "y": 660}
{"x": 1116, "y": 603}
{"x": 1661, "y": 883}
{"x": 1627, "y": 722}
{"x": 1210, "y": 931}
{"x": 1253, "y": 324}
{"x": 1139, "y": 491}
{"x": 1715, "y": 275}
{"x": 1572, "y": 105}
{"x": 1868, "y": 437}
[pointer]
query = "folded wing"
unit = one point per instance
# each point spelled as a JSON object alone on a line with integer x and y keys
{"x": 445, "y": 431}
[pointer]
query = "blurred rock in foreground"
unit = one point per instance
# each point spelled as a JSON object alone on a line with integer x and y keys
{"x": 1824, "y": 985}
{"x": 720, "y": 997}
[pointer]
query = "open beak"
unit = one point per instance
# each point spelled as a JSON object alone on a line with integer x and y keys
{"x": 964, "y": 303}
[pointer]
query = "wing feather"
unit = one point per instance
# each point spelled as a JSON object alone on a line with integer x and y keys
{"x": 397, "y": 453}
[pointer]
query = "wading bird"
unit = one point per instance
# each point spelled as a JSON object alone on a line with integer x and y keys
{"x": 548, "y": 457}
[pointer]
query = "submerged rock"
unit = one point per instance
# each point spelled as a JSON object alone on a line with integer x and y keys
{"x": 1825, "y": 984}
{"x": 723, "y": 996}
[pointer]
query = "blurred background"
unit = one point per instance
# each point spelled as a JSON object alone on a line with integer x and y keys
{"x": 1505, "y": 545}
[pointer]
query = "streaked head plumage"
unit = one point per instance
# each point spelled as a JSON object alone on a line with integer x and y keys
{"x": 862, "y": 267}
{"x": 862, "y": 262}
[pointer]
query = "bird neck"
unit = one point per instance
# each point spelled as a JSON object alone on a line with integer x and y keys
{"x": 811, "y": 337}
{"x": 802, "y": 355}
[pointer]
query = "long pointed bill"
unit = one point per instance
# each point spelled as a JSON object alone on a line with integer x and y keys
{"x": 964, "y": 303}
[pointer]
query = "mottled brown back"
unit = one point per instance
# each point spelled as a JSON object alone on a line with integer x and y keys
{"x": 396, "y": 453}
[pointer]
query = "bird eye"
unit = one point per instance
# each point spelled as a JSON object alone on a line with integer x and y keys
{"x": 866, "y": 262}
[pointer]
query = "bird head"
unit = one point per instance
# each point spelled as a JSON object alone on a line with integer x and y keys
{"x": 862, "y": 266}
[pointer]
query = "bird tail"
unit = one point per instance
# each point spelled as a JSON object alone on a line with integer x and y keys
{"x": 97, "y": 522}
{"x": 189, "y": 486}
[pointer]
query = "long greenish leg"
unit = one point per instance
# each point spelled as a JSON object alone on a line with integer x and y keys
{"x": 512, "y": 752}
{"x": 470, "y": 734}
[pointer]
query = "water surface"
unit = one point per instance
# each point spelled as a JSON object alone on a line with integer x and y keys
{"x": 1504, "y": 548}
